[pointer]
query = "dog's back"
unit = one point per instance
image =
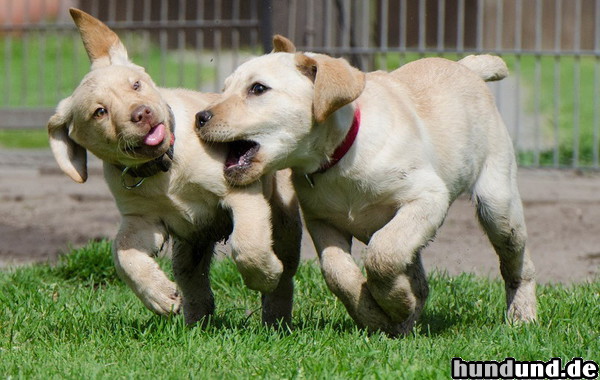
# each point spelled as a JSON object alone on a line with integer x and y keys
{"x": 458, "y": 112}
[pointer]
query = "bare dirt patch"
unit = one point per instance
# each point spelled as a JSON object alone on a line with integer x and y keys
{"x": 44, "y": 213}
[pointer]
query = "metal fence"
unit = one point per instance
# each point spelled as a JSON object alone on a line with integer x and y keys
{"x": 550, "y": 103}
{"x": 181, "y": 43}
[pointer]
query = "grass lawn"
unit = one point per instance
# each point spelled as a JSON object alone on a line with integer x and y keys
{"x": 78, "y": 320}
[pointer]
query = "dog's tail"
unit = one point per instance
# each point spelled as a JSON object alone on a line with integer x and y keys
{"x": 489, "y": 67}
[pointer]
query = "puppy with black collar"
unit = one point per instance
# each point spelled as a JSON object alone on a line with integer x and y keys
{"x": 168, "y": 185}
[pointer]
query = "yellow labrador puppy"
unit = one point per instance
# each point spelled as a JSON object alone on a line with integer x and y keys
{"x": 381, "y": 157}
{"x": 168, "y": 185}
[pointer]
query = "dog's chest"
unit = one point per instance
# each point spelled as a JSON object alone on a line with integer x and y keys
{"x": 187, "y": 209}
{"x": 194, "y": 210}
{"x": 349, "y": 209}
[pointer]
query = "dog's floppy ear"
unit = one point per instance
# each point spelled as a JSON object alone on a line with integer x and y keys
{"x": 282, "y": 44}
{"x": 102, "y": 45}
{"x": 70, "y": 156}
{"x": 336, "y": 83}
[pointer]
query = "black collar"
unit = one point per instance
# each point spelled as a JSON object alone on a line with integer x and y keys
{"x": 160, "y": 164}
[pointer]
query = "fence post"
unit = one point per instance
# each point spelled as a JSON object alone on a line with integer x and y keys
{"x": 266, "y": 30}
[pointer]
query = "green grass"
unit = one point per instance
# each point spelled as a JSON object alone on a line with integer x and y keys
{"x": 24, "y": 138}
{"x": 77, "y": 319}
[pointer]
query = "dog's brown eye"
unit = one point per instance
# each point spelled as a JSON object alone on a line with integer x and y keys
{"x": 100, "y": 113}
{"x": 258, "y": 89}
{"x": 136, "y": 86}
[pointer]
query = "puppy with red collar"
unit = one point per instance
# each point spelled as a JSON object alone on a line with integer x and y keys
{"x": 379, "y": 157}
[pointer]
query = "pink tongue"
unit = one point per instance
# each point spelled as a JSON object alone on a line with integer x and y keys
{"x": 156, "y": 135}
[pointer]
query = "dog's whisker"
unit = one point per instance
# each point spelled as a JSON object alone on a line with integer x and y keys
{"x": 125, "y": 146}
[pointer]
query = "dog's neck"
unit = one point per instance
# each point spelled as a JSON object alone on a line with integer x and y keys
{"x": 345, "y": 145}
{"x": 339, "y": 132}
{"x": 334, "y": 139}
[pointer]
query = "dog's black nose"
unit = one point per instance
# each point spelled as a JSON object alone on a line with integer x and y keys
{"x": 202, "y": 118}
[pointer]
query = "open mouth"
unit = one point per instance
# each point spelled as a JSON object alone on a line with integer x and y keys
{"x": 241, "y": 153}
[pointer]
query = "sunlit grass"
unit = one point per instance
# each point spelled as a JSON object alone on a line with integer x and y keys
{"x": 78, "y": 319}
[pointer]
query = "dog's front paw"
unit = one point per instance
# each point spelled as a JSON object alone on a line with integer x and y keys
{"x": 163, "y": 299}
{"x": 260, "y": 272}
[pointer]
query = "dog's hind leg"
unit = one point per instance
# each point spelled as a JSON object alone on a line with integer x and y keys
{"x": 191, "y": 266}
{"x": 500, "y": 213}
{"x": 287, "y": 236}
{"x": 395, "y": 273}
{"x": 137, "y": 241}
{"x": 345, "y": 280}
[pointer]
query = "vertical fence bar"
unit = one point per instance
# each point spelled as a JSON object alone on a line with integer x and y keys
{"x": 181, "y": 44}
{"x": 199, "y": 47}
{"x": 422, "y": 27}
{"x": 293, "y": 11}
{"x": 328, "y": 19}
{"x": 8, "y": 55}
{"x": 128, "y": 20}
{"x": 576, "y": 83}
{"x": 163, "y": 42}
{"x": 25, "y": 54}
{"x": 112, "y": 11}
{"x": 254, "y": 31}
{"x": 310, "y": 23}
{"x": 537, "y": 82}
{"x": 499, "y": 24}
{"x": 95, "y": 7}
{"x": 557, "y": 84}
{"x": 40, "y": 67}
{"x": 518, "y": 48}
{"x": 217, "y": 43}
{"x": 403, "y": 30}
{"x": 383, "y": 33}
{"x": 479, "y": 36}
{"x": 59, "y": 36}
{"x": 346, "y": 23}
{"x": 266, "y": 11}
{"x": 498, "y": 41}
{"x": 146, "y": 33}
{"x": 441, "y": 26}
{"x": 596, "y": 133}
{"x": 460, "y": 30}
{"x": 40, "y": 59}
{"x": 235, "y": 34}
{"x": 365, "y": 14}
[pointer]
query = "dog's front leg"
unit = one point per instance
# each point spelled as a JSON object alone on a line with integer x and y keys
{"x": 191, "y": 267}
{"x": 137, "y": 241}
{"x": 395, "y": 273}
{"x": 345, "y": 280}
{"x": 251, "y": 238}
{"x": 287, "y": 235}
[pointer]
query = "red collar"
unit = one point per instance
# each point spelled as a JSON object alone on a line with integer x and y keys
{"x": 345, "y": 146}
